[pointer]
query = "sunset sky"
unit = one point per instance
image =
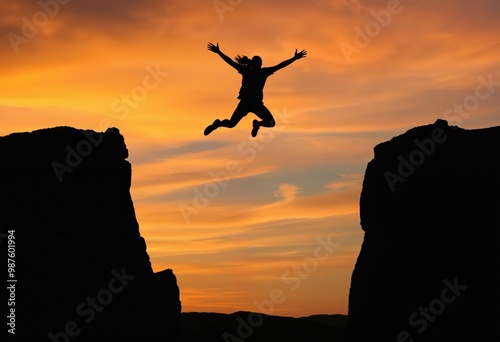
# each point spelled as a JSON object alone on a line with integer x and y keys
{"x": 243, "y": 221}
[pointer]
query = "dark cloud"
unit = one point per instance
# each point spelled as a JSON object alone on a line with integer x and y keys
{"x": 112, "y": 17}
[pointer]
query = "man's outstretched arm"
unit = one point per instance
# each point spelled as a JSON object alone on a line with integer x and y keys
{"x": 297, "y": 55}
{"x": 228, "y": 60}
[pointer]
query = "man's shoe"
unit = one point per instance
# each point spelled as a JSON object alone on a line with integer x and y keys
{"x": 212, "y": 127}
{"x": 255, "y": 128}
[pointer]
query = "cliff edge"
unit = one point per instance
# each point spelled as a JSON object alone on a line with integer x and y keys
{"x": 80, "y": 270}
{"x": 429, "y": 265}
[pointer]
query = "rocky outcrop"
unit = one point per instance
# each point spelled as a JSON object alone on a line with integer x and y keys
{"x": 429, "y": 265}
{"x": 82, "y": 271}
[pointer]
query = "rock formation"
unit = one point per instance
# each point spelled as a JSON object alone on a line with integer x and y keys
{"x": 81, "y": 266}
{"x": 429, "y": 265}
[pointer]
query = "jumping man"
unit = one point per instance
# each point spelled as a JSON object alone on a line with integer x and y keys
{"x": 251, "y": 91}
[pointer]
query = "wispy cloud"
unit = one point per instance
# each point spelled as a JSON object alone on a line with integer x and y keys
{"x": 287, "y": 192}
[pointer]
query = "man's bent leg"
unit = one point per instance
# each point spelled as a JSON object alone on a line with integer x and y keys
{"x": 239, "y": 113}
{"x": 265, "y": 115}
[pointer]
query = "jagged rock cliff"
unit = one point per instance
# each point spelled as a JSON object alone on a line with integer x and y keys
{"x": 429, "y": 265}
{"x": 81, "y": 267}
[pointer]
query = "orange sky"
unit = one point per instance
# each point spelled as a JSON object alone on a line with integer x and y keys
{"x": 237, "y": 218}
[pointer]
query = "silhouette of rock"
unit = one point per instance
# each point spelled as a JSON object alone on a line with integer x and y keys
{"x": 82, "y": 270}
{"x": 428, "y": 266}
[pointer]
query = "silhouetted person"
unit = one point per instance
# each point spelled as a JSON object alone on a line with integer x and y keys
{"x": 251, "y": 91}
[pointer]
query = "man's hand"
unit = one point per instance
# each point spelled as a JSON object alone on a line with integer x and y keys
{"x": 301, "y": 54}
{"x": 213, "y": 48}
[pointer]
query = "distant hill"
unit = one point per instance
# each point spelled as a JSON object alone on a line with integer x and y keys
{"x": 336, "y": 321}
{"x": 255, "y": 327}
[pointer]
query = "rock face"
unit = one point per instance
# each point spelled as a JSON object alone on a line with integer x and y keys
{"x": 81, "y": 266}
{"x": 429, "y": 265}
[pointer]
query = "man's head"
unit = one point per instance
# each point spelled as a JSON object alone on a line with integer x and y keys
{"x": 256, "y": 62}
